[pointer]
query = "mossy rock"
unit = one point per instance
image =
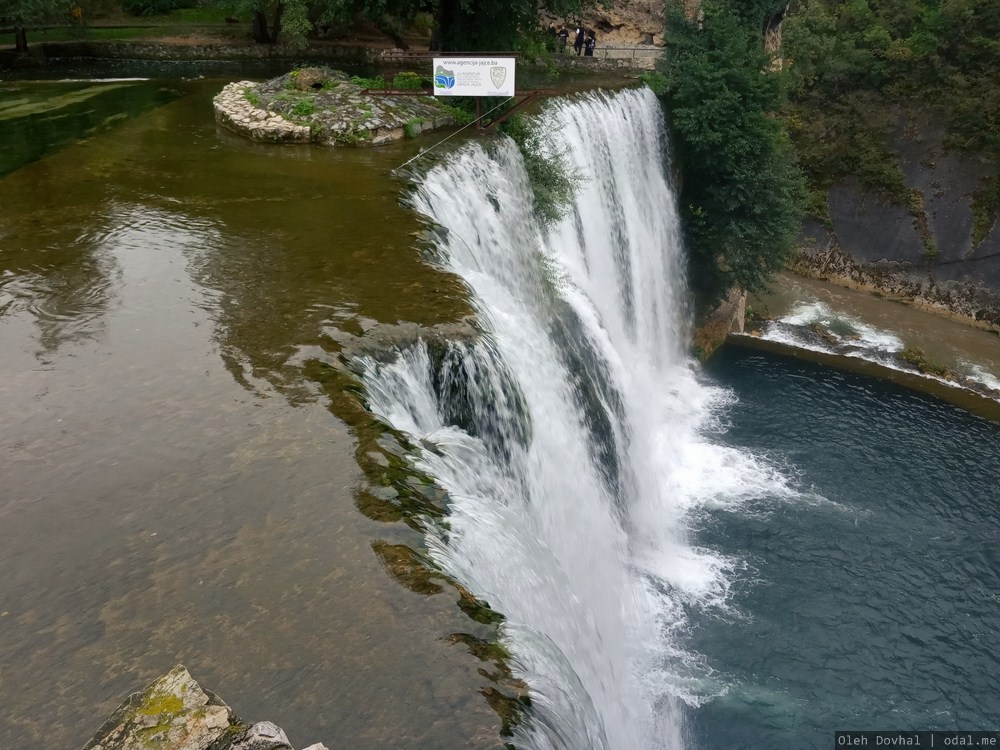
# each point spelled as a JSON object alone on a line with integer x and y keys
{"x": 173, "y": 713}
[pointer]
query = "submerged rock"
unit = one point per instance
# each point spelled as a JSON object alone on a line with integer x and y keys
{"x": 176, "y": 713}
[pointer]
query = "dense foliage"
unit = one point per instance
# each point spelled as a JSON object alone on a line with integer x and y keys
{"x": 742, "y": 195}
{"x": 948, "y": 49}
{"x": 855, "y": 65}
{"x": 553, "y": 180}
{"x": 486, "y": 25}
{"x": 23, "y": 14}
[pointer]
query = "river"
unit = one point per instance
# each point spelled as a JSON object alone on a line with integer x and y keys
{"x": 172, "y": 489}
{"x": 220, "y": 449}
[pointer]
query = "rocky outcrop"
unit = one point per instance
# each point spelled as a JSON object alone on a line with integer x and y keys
{"x": 319, "y": 105}
{"x": 621, "y": 22}
{"x": 176, "y": 713}
{"x": 727, "y": 318}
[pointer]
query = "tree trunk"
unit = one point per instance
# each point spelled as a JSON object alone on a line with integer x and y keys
{"x": 276, "y": 25}
{"x": 260, "y": 34}
{"x": 445, "y": 26}
{"x": 20, "y": 39}
{"x": 394, "y": 35}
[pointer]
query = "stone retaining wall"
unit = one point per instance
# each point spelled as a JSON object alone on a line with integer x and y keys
{"x": 236, "y": 113}
{"x": 323, "y": 106}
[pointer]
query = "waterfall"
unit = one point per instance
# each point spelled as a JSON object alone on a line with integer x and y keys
{"x": 575, "y": 437}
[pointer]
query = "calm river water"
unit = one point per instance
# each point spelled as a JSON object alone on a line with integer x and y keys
{"x": 175, "y": 487}
{"x": 171, "y": 489}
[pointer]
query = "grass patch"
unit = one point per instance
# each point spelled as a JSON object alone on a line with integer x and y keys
{"x": 252, "y": 96}
{"x": 209, "y": 14}
{"x": 915, "y": 204}
{"x": 378, "y": 82}
{"x": 413, "y": 128}
{"x": 85, "y": 33}
{"x": 303, "y": 108}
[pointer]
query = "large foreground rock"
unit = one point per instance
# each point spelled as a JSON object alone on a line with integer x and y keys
{"x": 175, "y": 713}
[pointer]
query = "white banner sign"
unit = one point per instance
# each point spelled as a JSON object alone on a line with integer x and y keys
{"x": 474, "y": 76}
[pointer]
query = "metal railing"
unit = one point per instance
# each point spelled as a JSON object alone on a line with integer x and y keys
{"x": 612, "y": 52}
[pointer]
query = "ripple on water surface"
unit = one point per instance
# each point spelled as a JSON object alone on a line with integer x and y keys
{"x": 878, "y": 611}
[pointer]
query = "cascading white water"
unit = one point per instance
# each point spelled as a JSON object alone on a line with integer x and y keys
{"x": 574, "y": 438}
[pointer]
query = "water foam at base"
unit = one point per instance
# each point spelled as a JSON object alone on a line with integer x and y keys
{"x": 575, "y": 438}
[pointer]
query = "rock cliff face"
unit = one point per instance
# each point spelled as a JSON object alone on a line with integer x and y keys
{"x": 623, "y": 22}
{"x": 923, "y": 252}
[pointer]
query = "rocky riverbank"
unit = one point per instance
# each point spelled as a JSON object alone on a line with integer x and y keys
{"x": 966, "y": 299}
{"x": 319, "y": 105}
{"x": 933, "y": 243}
{"x": 176, "y": 713}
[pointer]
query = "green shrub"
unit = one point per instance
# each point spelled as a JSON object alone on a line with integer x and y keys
{"x": 413, "y": 128}
{"x": 655, "y": 80}
{"x": 423, "y": 22}
{"x": 462, "y": 114}
{"x": 303, "y": 108}
{"x": 553, "y": 181}
{"x": 742, "y": 195}
{"x": 150, "y": 7}
{"x": 410, "y": 81}
{"x": 378, "y": 82}
{"x": 252, "y": 96}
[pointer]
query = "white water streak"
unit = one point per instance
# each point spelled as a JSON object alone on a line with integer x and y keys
{"x": 589, "y": 442}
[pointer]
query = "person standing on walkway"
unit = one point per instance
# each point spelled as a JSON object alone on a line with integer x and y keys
{"x": 578, "y": 40}
{"x": 563, "y": 37}
{"x": 589, "y": 44}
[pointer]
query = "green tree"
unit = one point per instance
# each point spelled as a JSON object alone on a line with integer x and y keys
{"x": 272, "y": 20}
{"x": 742, "y": 195}
{"x": 23, "y": 14}
{"x": 499, "y": 25}
{"x": 483, "y": 25}
{"x": 854, "y": 65}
